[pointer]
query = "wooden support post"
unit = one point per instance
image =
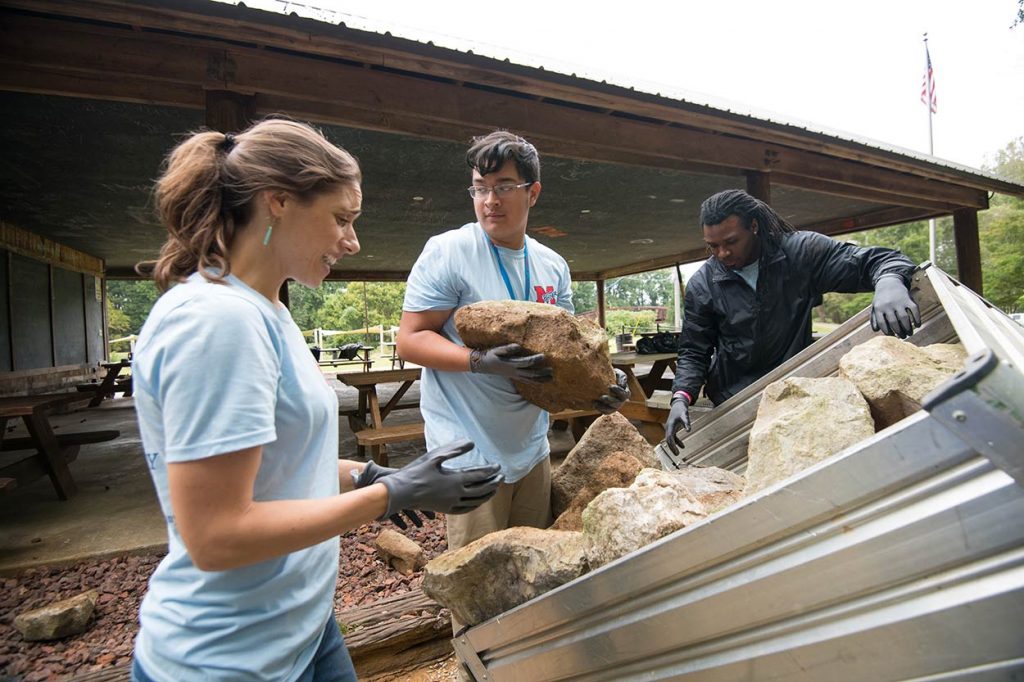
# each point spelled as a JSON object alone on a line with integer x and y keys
{"x": 600, "y": 303}
{"x": 968, "y": 249}
{"x": 759, "y": 186}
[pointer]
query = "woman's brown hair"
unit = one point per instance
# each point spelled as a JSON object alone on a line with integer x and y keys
{"x": 209, "y": 181}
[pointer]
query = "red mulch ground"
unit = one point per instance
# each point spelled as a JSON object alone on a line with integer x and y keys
{"x": 362, "y": 579}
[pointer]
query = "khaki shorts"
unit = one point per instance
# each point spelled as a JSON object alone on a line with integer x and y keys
{"x": 527, "y": 502}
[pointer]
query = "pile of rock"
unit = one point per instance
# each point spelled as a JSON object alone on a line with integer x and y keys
{"x": 610, "y": 501}
{"x": 802, "y": 421}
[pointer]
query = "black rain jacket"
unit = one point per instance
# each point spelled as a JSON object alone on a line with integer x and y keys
{"x": 732, "y": 335}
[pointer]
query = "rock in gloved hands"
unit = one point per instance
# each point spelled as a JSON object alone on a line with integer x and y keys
{"x": 616, "y": 396}
{"x": 893, "y": 311}
{"x": 424, "y": 484}
{"x": 678, "y": 418}
{"x": 511, "y": 361}
{"x": 370, "y": 474}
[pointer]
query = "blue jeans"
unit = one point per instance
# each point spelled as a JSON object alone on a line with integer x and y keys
{"x": 331, "y": 662}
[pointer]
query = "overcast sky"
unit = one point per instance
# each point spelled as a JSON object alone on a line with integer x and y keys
{"x": 853, "y": 68}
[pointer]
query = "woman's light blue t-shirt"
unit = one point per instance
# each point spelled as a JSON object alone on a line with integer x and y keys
{"x": 218, "y": 368}
{"x": 455, "y": 269}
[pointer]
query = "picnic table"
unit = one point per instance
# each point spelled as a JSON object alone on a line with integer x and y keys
{"x": 110, "y": 384}
{"x": 367, "y": 419}
{"x": 52, "y": 452}
{"x": 651, "y": 417}
{"x": 329, "y": 357}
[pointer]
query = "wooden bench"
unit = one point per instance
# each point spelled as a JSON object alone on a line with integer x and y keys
{"x": 63, "y": 439}
{"x": 377, "y": 438}
{"x": 334, "y": 363}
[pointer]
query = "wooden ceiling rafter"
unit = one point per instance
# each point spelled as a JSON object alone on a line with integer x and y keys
{"x": 309, "y": 36}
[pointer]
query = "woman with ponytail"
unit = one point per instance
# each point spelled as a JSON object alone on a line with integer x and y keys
{"x": 239, "y": 428}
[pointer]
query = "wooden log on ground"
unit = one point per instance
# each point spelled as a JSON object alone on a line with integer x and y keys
{"x": 399, "y": 632}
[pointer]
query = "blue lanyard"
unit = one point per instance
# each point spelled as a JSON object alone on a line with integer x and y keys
{"x": 504, "y": 273}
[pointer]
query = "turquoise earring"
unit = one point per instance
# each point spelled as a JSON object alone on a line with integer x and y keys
{"x": 266, "y": 237}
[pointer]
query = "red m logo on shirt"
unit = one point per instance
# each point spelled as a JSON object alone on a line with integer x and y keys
{"x": 546, "y": 294}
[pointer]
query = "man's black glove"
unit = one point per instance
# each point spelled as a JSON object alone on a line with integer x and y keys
{"x": 893, "y": 311}
{"x": 678, "y": 418}
{"x": 616, "y": 396}
{"x": 369, "y": 475}
{"x": 426, "y": 485}
{"x": 511, "y": 361}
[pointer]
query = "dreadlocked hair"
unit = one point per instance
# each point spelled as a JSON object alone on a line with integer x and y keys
{"x": 209, "y": 183}
{"x": 736, "y": 202}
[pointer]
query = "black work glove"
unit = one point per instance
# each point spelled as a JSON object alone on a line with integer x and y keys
{"x": 424, "y": 484}
{"x": 678, "y": 418}
{"x": 616, "y": 396}
{"x": 511, "y": 361}
{"x": 893, "y": 311}
{"x": 370, "y": 474}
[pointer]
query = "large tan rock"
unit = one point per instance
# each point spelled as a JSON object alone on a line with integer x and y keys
{"x": 617, "y": 470}
{"x": 714, "y": 488}
{"x": 58, "y": 620}
{"x": 608, "y": 434}
{"x": 895, "y": 375}
{"x": 576, "y": 348}
{"x": 622, "y": 520}
{"x": 503, "y": 570}
{"x": 801, "y": 421}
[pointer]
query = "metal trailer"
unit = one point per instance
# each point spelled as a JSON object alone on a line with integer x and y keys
{"x": 899, "y": 558}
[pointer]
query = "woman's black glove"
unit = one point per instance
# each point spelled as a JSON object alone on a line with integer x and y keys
{"x": 616, "y": 396}
{"x": 511, "y": 361}
{"x": 893, "y": 311}
{"x": 424, "y": 484}
{"x": 370, "y": 474}
{"x": 678, "y": 418}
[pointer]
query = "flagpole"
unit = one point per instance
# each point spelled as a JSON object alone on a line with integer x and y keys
{"x": 931, "y": 146}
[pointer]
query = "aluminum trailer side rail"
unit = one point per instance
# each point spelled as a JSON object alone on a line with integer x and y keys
{"x": 900, "y": 558}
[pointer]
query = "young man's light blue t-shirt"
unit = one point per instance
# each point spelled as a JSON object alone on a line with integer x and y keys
{"x": 217, "y": 369}
{"x": 455, "y": 269}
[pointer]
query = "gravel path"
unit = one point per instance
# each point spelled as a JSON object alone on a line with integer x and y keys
{"x": 362, "y": 579}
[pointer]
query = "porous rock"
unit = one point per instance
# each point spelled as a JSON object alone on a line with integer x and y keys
{"x": 576, "y": 348}
{"x": 59, "y": 619}
{"x": 801, "y": 421}
{"x": 622, "y": 520}
{"x": 617, "y": 470}
{"x": 894, "y": 375}
{"x": 503, "y": 570}
{"x": 609, "y": 433}
{"x": 713, "y": 487}
{"x": 402, "y": 553}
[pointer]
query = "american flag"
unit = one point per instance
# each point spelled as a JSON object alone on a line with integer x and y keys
{"x": 928, "y": 84}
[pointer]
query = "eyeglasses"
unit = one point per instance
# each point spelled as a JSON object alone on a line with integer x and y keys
{"x": 481, "y": 192}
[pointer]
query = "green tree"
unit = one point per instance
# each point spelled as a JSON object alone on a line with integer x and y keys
{"x": 1000, "y": 230}
{"x": 584, "y": 296}
{"x": 361, "y": 304}
{"x": 118, "y": 323}
{"x": 132, "y": 298}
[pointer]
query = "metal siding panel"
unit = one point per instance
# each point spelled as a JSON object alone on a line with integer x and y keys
{"x": 68, "y": 317}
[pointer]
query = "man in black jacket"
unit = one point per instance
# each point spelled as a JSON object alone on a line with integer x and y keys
{"x": 748, "y": 308}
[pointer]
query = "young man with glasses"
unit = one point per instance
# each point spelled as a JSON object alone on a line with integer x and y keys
{"x": 468, "y": 393}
